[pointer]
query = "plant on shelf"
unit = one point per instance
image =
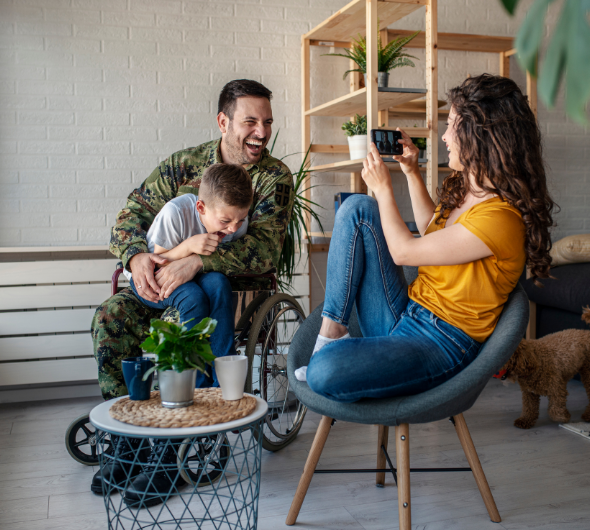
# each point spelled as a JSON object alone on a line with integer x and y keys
{"x": 180, "y": 352}
{"x": 297, "y": 229}
{"x": 420, "y": 143}
{"x": 389, "y": 57}
{"x": 356, "y": 130}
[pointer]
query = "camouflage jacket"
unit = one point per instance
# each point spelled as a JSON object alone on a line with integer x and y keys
{"x": 256, "y": 252}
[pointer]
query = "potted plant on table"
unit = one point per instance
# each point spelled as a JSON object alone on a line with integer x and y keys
{"x": 389, "y": 57}
{"x": 356, "y": 130}
{"x": 180, "y": 352}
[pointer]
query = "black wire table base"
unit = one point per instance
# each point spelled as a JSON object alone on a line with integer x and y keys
{"x": 210, "y": 481}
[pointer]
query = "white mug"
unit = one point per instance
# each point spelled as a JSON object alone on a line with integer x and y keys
{"x": 232, "y": 371}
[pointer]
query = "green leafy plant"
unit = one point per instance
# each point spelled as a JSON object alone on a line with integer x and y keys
{"x": 296, "y": 229}
{"x": 389, "y": 57}
{"x": 356, "y": 126}
{"x": 420, "y": 143}
{"x": 178, "y": 348}
{"x": 567, "y": 56}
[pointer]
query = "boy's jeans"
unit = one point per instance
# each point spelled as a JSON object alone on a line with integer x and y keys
{"x": 405, "y": 348}
{"x": 208, "y": 295}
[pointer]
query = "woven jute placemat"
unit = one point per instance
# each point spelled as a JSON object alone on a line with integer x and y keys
{"x": 209, "y": 408}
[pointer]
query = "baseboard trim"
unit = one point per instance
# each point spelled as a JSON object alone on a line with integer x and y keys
{"x": 24, "y": 393}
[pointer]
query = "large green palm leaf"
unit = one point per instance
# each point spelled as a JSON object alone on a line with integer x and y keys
{"x": 297, "y": 229}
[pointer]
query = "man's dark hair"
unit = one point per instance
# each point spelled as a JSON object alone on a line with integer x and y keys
{"x": 227, "y": 184}
{"x": 240, "y": 88}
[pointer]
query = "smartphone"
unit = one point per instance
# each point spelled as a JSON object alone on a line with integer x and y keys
{"x": 387, "y": 142}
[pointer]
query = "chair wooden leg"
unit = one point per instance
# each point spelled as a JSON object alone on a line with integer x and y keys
{"x": 382, "y": 438}
{"x": 402, "y": 450}
{"x": 317, "y": 447}
{"x": 474, "y": 463}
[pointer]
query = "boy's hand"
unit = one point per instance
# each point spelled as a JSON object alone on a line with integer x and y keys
{"x": 204, "y": 244}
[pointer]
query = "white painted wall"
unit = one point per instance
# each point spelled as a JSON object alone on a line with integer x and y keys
{"x": 94, "y": 93}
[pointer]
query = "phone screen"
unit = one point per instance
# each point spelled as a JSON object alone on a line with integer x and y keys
{"x": 387, "y": 142}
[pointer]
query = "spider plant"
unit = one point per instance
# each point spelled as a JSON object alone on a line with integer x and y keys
{"x": 297, "y": 228}
{"x": 389, "y": 57}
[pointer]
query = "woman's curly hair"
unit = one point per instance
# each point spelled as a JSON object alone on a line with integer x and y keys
{"x": 499, "y": 138}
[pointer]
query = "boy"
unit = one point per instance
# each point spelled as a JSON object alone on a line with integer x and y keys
{"x": 196, "y": 225}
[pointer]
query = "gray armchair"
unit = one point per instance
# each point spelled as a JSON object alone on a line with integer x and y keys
{"x": 448, "y": 400}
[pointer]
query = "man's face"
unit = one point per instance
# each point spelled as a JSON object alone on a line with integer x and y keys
{"x": 245, "y": 136}
{"x": 220, "y": 218}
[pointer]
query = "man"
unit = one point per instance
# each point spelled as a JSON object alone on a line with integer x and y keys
{"x": 245, "y": 122}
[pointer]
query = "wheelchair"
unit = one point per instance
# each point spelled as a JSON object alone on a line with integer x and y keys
{"x": 267, "y": 322}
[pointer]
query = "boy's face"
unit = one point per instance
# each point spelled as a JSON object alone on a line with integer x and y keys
{"x": 221, "y": 218}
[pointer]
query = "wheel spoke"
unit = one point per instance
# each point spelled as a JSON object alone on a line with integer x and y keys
{"x": 86, "y": 430}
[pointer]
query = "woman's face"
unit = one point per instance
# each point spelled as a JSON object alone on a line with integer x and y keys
{"x": 452, "y": 143}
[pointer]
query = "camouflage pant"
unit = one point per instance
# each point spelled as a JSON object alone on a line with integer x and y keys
{"x": 118, "y": 328}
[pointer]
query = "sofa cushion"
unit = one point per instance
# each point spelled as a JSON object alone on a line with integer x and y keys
{"x": 570, "y": 290}
{"x": 571, "y": 249}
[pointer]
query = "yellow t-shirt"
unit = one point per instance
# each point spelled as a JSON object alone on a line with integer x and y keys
{"x": 471, "y": 296}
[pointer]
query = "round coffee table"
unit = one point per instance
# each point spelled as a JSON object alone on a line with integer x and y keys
{"x": 215, "y": 471}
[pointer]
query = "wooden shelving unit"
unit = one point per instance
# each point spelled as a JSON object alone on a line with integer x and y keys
{"x": 368, "y": 17}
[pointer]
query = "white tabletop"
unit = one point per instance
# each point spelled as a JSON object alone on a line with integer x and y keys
{"x": 101, "y": 419}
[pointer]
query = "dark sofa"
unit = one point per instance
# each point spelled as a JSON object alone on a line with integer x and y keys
{"x": 560, "y": 301}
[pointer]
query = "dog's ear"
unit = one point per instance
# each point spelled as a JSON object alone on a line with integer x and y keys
{"x": 586, "y": 314}
{"x": 525, "y": 362}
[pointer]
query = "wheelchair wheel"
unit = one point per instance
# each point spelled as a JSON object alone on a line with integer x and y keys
{"x": 267, "y": 348}
{"x": 81, "y": 441}
{"x": 202, "y": 462}
{"x": 250, "y": 310}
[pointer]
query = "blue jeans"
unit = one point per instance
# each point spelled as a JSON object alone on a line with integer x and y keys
{"x": 405, "y": 348}
{"x": 208, "y": 295}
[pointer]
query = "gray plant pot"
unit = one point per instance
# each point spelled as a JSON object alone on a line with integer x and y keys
{"x": 177, "y": 389}
{"x": 382, "y": 79}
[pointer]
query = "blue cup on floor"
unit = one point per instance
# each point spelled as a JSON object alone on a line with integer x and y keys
{"x": 133, "y": 370}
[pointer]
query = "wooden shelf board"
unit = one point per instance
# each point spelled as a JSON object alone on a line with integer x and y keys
{"x": 355, "y": 166}
{"x": 356, "y": 102}
{"x": 416, "y": 109}
{"x": 411, "y": 114}
{"x": 350, "y": 20}
{"x": 458, "y": 41}
{"x": 446, "y": 41}
{"x": 329, "y": 148}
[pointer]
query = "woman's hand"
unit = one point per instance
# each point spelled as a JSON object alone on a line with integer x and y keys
{"x": 375, "y": 173}
{"x": 409, "y": 159}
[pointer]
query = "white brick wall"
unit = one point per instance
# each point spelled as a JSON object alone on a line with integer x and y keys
{"x": 94, "y": 93}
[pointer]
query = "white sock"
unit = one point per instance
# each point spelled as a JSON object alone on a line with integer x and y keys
{"x": 301, "y": 373}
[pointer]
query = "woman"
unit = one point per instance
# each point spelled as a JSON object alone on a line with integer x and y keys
{"x": 493, "y": 218}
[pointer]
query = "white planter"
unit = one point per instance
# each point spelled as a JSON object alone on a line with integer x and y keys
{"x": 357, "y": 145}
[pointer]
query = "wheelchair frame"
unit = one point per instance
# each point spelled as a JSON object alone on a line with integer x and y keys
{"x": 258, "y": 332}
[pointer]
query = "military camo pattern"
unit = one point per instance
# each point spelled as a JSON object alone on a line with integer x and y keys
{"x": 118, "y": 328}
{"x": 258, "y": 251}
{"x": 121, "y": 323}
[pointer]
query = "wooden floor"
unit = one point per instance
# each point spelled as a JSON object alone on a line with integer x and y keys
{"x": 540, "y": 478}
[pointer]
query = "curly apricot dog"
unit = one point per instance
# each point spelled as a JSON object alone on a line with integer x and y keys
{"x": 543, "y": 367}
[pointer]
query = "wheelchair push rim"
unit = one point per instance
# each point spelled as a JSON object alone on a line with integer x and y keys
{"x": 272, "y": 331}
